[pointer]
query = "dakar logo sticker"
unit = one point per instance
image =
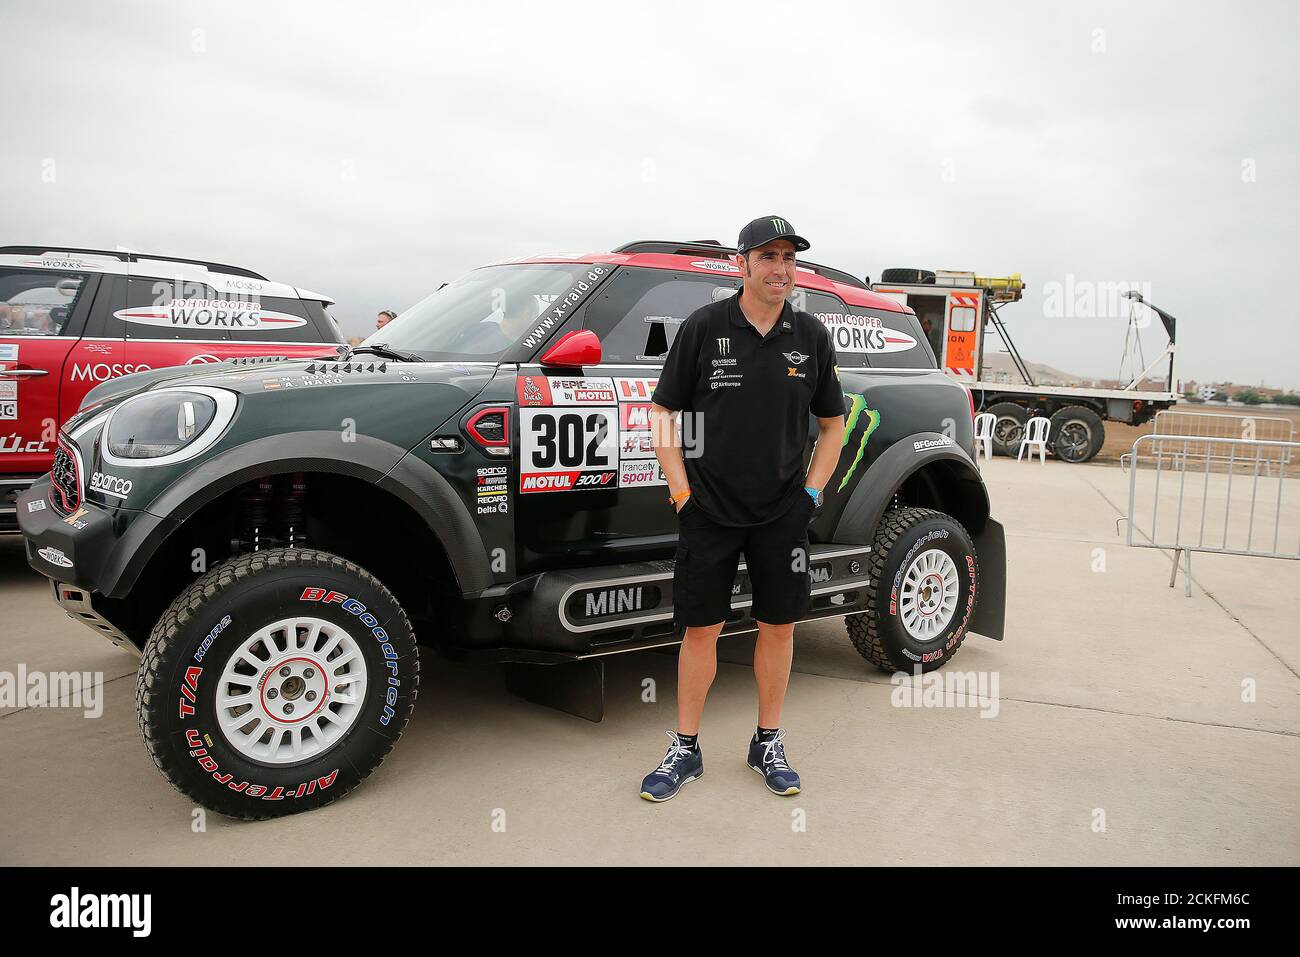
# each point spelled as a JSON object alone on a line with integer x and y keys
{"x": 210, "y": 314}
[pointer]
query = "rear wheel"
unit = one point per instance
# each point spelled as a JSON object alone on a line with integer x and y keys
{"x": 1008, "y": 427}
{"x": 1076, "y": 434}
{"x": 276, "y": 683}
{"x": 924, "y": 579}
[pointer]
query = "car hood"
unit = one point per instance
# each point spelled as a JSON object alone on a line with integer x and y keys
{"x": 396, "y": 403}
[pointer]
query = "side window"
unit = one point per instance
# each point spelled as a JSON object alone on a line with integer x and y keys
{"x": 835, "y": 316}
{"x": 638, "y": 312}
{"x": 166, "y": 309}
{"x": 882, "y": 340}
{"x": 185, "y": 310}
{"x": 38, "y": 302}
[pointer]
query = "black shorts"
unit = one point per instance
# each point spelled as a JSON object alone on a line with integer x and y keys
{"x": 776, "y": 558}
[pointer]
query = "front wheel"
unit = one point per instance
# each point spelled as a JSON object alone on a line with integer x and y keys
{"x": 276, "y": 683}
{"x": 924, "y": 579}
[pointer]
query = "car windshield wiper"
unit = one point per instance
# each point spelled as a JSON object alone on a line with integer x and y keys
{"x": 382, "y": 349}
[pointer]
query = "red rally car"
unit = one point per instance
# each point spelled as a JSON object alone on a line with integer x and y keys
{"x": 72, "y": 318}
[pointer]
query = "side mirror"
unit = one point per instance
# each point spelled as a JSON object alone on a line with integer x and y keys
{"x": 574, "y": 350}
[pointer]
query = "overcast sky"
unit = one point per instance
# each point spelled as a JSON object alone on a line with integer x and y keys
{"x": 373, "y": 151}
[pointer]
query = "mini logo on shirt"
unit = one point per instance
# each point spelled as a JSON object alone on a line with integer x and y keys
{"x": 724, "y": 345}
{"x": 796, "y": 357}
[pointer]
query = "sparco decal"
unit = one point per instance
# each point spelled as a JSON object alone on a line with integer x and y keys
{"x": 210, "y": 314}
{"x": 103, "y": 371}
{"x": 353, "y": 607}
{"x": 110, "y": 484}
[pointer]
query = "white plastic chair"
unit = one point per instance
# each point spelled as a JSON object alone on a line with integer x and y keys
{"x": 1035, "y": 439}
{"x": 984, "y": 434}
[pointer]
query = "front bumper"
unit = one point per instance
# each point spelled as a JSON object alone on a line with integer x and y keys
{"x": 72, "y": 551}
{"x": 67, "y": 548}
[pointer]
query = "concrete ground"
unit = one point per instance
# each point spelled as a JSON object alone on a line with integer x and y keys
{"x": 1121, "y": 737}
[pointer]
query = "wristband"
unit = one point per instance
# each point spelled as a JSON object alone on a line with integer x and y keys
{"x": 679, "y": 497}
{"x": 814, "y": 493}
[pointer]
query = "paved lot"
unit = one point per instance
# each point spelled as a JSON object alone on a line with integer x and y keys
{"x": 1117, "y": 695}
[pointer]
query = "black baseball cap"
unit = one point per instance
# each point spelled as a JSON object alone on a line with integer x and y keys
{"x": 767, "y": 228}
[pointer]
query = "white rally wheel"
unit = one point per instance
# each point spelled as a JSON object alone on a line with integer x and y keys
{"x": 928, "y": 598}
{"x": 291, "y": 691}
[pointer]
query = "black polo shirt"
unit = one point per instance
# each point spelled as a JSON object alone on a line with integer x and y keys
{"x": 750, "y": 396}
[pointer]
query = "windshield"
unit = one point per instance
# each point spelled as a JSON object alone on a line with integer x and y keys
{"x": 481, "y": 314}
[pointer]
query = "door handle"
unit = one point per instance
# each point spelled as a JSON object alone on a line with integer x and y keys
{"x": 24, "y": 372}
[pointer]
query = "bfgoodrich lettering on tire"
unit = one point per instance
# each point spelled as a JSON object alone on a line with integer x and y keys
{"x": 276, "y": 683}
{"x": 922, "y": 593}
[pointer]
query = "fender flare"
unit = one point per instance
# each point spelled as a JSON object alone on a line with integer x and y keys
{"x": 387, "y": 466}
{"x": 869, "y": 499}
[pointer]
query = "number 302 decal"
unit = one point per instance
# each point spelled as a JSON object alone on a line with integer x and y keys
{"x": 570, "y": 440}
{"x": 566, "y": 449}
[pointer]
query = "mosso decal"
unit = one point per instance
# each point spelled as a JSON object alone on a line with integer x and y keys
{"x": 210, "y": 314}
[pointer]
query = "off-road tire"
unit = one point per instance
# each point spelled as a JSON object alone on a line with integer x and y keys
{"x": 878, "y": 633}
{"x": 908, "y": 276}
{"x": 256, "y": 590}
{"x": 1069, "y": 423}
{"x": 1006, "y": 440}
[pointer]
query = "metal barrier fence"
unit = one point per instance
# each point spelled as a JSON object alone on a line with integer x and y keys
{"x": 1203, "y": 427}
{"x": 1206, "y": 498}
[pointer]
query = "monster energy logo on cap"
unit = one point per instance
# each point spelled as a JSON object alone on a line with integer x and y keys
{"x": 766, "y": 229}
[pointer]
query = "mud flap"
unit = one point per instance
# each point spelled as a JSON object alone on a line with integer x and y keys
{"x": 991, "y": 605}
{"x": 576, "y": 688}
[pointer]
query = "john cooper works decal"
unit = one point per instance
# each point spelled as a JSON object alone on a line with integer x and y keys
{"x": 864, "y": 334}
{"x": 210, "y": 314}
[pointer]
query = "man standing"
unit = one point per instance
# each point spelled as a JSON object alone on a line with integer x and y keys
{"x": 748, "y": 370}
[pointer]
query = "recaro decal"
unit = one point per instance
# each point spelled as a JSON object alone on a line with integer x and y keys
{"x": 210, "y": 314}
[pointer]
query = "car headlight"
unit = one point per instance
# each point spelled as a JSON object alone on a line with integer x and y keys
{"x": 166, "y": 425}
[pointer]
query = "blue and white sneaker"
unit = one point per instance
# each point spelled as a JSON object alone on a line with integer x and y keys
{"x": 680, "y": 765}
{"x": 768, "y": 759}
